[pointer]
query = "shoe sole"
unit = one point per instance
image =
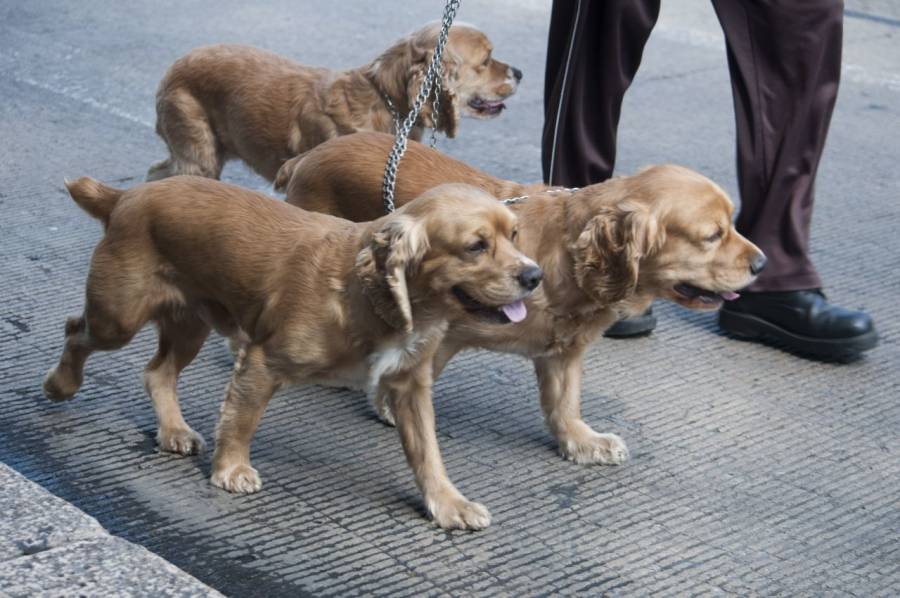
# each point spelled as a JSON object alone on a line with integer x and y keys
{"x": 748, "y": 327}
{"x": 632, "y": 327}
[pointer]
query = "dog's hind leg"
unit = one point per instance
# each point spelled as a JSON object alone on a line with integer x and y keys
{"x": 248, "y": 393}
{"x": 160, "y": 170}
{"x": 84, "y": 335}
{"x": 64, "y": 380}
{"x": 180, "y": 339}
{"x": 118, "y": 304}
{"x": 193, "y": 146}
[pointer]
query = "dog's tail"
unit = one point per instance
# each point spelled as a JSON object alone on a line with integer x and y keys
{"x": 283, "y": 177}
{"x": 94, "y": 197}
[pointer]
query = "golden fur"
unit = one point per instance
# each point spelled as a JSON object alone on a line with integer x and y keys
{"x": 315, "y": 298}
{"x": 607, "y": 251}
{"x": 236, "y": 102}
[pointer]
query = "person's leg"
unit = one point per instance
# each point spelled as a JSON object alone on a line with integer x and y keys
{"x": 785, "y": 60}
{"x": 593, "y": 53}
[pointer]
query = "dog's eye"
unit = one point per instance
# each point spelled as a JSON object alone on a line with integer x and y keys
{"x": 714, "y": 237}
{"x": 478, "y": 247}
{"x": 487, "y": 61}
{"x": 514, "y": 235}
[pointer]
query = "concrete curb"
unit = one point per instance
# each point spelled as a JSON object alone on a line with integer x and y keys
{"x": 48, "y": 547}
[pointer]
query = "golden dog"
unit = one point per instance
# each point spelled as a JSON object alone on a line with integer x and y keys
{"x": 236, "y": 102}
{"x": 607, "y": 251}
{"x": 317, "y": 299}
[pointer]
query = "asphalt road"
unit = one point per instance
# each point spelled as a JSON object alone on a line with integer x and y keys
{"x": 753, "y": 471}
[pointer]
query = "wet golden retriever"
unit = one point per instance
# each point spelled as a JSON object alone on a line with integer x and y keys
{"x": 317, "y": 299}
{"x": 607, "y": 251}
{"x": 235, "y": 102}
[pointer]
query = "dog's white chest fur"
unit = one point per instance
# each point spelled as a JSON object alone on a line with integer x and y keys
{"x": 391, "y": 358}
{"x": 388, "y": 358}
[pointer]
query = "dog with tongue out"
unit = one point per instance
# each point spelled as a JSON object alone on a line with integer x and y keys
{"x": 607, "y": 251}
{"x": 527, "y": 279}
{"x": 516, "y": 312}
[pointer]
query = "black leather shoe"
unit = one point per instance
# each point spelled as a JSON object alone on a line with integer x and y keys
{"x": 634, "y": 326}
{"x": 801, "y": 321}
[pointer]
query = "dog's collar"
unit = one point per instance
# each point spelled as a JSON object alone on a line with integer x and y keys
{"x": 521, "y": 198}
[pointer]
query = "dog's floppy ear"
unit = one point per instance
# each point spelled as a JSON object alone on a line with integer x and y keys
{"x": 394, "y": 253}
{"x": 398, "y": 71}
{"x": 448, "y": 117}
{"x": 608, "y": 251}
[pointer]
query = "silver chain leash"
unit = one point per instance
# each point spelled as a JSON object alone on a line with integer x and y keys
{"x": 436, "y": 103}
{"x": 395, "y": 114}
{"x": 428, "y": 83}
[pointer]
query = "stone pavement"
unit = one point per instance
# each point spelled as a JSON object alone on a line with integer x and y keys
{"x": 50, "y": 548}
{"x": 753, "y": 471}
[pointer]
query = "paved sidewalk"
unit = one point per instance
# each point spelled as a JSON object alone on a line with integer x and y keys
{"x": 50, "y": 548}
{"x": 753, "y": 472}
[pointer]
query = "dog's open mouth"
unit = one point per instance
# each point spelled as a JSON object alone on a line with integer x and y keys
{"x": 692, "y": 296}
{"x": 504, "y": 314}
{"x": 484, "y": 107}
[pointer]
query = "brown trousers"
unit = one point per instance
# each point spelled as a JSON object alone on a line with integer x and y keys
{"x": 784, "y": 57}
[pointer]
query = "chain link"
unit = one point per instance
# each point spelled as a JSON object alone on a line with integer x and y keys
{"x": 521, "y": 198}
{"x": 436, "y": 103}
{"x": 395, "y": 114}
{"x": 428, "y": 83}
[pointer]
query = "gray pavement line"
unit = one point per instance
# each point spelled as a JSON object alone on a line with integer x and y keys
{"x": 78, "y": 97}
{"x": 865, "y": 16}
{"x": 849, "y": 72}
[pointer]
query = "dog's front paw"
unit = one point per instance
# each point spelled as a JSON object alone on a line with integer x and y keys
{"x": 594, "y": 448}
{"x": 459, "y": 513}
{"x": 240, "y": 479}
{"x": 182, "y": 441}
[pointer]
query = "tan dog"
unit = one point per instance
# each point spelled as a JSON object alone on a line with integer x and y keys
{"x": 235, "y": 102}
{"x": 607, "y": 251}
{"x": 318, "y": 299}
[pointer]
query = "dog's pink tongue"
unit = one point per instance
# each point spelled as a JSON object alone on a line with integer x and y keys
{"x": 516, "y": 312}
{"x": 729, "y": 295}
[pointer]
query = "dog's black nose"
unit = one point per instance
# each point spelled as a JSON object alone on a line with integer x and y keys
{"x": 758, "y": 263}
{"x": 530, "y": 277}
{"x": 516, "y": 73}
